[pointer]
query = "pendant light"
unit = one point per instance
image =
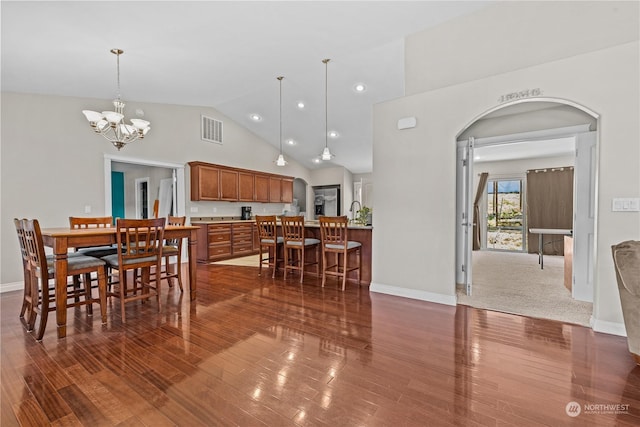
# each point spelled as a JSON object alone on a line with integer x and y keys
{"x": 326, "y": 153}
{"x": 110, "y": 124}
{"x": 280, "y": 161}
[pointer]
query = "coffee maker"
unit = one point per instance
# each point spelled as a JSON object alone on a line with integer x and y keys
{"x": 246, "y": 212}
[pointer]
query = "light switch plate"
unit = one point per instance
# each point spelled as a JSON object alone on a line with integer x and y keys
{"x": 194, "y": 209}
{"x": 625, "y": 204}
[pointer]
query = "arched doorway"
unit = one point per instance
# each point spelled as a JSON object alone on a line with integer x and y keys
{"x": 535, "y": 127}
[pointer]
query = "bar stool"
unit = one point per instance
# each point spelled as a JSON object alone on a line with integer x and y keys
{"x": 173, "y": 247}
{"x": 295, "y": 241}
{"x": 334, "y": 238}
{"x": 269, "y": 239}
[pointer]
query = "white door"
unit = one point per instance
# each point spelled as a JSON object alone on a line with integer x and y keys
{"x": 464, "y": 213}
{"x": 166, "y": 197}
{"x": 584, "y": 206}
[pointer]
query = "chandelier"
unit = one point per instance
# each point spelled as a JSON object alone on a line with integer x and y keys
{"x": 326, "y": 153}
{"x": 281, "y": 161}
{"x": 110, "y": 124}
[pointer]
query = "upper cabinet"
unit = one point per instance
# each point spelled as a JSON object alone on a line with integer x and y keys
{"x": 229, "y": 185}
{"x": 275, "y": 190}
{"x": 217, "y": 182}
{"x": 205, "y": 182}
{"x": 286, "y": 195}
{"x": 262, "y": 188}
{"x": 246, "y": 186}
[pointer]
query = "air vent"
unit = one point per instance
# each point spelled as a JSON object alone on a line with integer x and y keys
{"x": 211, "y": 130}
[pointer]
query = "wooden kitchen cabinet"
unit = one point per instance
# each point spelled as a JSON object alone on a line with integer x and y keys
{"x": 228, "y": 185}
{"x": 214, "y": 242}
{"x": 205, "y": 182}
{"x": 217, "y": 182}
{"x": 286, "y": 195}
{"x": 226, "y": 240}
{"x": 262, "y": 188}
{"x": 246, "y": 186}
{"x": 275, "y": 189}
{"x": 242, "y": 238}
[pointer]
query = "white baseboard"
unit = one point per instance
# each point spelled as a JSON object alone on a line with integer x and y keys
{"x": 8, "y": 287}
{"x": 612, "y": 328}
{"x": 413, "y": 294}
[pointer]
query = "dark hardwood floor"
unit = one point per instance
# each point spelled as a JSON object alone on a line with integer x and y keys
{"x": 256, "y": 351}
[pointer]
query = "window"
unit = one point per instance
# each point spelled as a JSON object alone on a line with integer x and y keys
{"x": 505, "y": 214}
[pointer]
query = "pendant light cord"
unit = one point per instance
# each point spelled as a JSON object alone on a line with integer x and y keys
{"x": 326, "y": 103}
{"x": 280, "y": 79}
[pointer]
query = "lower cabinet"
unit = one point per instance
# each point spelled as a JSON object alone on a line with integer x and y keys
{"x": 225, "y": 240}
{"x": 242, "y": 238}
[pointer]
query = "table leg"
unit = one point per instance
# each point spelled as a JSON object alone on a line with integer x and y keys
{"x": 540, "y": 250}
{"x": 60, "y": 252}
{"x": 192, "y": 264}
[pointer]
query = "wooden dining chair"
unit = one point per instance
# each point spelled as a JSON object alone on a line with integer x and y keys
{"x": 269, "y": 240}
{"x": 76, "y": 222}
{"x": 140, "y": 243}
{"x": 41, "y": 272}
{"x": 94, "y": 222}
{"x": 334, "y": 240}
{"x": 295, "y": 242}
{"x": 27, "y": 300}
{"x": 173, "y": 248}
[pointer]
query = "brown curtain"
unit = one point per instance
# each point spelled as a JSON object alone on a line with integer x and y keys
{"x": 549, "y": 205}
{"x": 482, "y": 184}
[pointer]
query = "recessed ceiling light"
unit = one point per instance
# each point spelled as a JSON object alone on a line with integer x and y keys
{"x": 255, "y": 117}
{"x": 317, "y": 160}
{"x": 359, "y": 87}
{"x": 300, "y": 105}
{"x": 291, "y": 142}
{"x": 333, "y": 134}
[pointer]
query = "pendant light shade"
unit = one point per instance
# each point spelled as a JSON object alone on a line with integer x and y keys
{"x": 326, "y": 153}
{"x": 280, "y": 161}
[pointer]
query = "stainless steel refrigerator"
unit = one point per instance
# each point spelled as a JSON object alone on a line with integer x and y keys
{"x": 326, "y": 200}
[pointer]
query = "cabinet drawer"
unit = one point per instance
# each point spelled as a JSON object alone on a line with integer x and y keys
{"x": 245, "y": 244}
{"x": 216, "y": 251}
{"x": 242, "y": 227}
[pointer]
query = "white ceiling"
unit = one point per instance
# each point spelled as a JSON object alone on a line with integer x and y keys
{"x": 227, "y": 55}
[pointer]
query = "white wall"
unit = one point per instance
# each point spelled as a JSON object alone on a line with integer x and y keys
{"x": 415, "y": 170}
{"x": 52, "y": 163}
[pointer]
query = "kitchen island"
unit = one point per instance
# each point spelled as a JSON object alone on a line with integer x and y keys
{"x": 230, "y": 237}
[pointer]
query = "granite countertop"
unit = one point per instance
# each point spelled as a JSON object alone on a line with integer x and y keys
{"x": 233, "y": 219}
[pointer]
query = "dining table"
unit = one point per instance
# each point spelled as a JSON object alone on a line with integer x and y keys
{"x": 65, "y": 238}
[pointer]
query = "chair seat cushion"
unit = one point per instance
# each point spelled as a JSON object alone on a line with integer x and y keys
{"x": 308, "y": 241}
{"x": 77, "y": 262}
{"x": 270, "y": 241}
{"x": 99, "y": 251}
{"x": 113, "y": 261}
{"x": 350, "y": 245}
{"x": 168, "y": 250}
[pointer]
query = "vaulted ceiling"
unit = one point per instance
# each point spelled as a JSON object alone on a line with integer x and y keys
{"x": 227, "y": 55}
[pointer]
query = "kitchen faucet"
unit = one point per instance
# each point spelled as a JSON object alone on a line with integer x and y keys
{"x": 353, "y": 215}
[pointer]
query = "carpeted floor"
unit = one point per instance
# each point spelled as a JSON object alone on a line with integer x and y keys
{"x": 514, "y": 283}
